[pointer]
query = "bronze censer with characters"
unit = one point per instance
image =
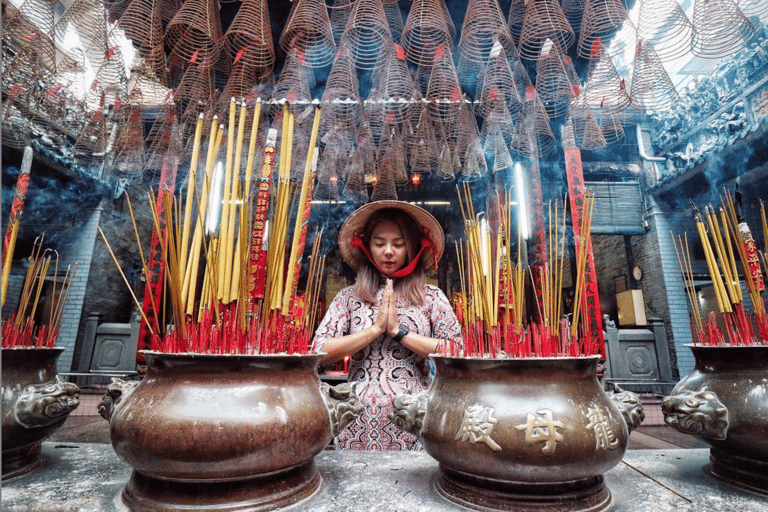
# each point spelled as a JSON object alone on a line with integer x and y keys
{"x": 517, "y": 418}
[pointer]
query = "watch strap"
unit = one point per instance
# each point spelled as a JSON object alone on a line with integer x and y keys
{"x": 401, "y": 333}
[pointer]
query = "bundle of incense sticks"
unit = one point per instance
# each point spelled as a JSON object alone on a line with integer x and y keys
{"x": 724, "y": 237}
{"x": 491, "y": 304}
{"x": 20, "y": 330}
{"x": 233, "y": 288}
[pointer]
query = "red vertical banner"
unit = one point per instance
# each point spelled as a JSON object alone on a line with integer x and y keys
{"x": 257, "y": 266}
{"x": 592, "y": 316}
{"x": 153, "y": 292}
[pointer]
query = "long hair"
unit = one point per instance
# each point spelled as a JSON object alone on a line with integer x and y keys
{"x": 369, "y": 279}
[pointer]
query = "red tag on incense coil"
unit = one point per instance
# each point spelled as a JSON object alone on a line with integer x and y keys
{"x": 14, "y": 90}
{"x": 440, "y": 50}
{"x": 456, "y": 94}
{"x": 530, "y": 93}
{"x": 194, "y": 56}
{"x": 494, "y": 93}
{"x": 399, "y": 52}
{"x": 239, "y": 55}
{"x": 111, "y": 52}
{"x": 576, "y": 90}
{"x": 300, "y": 54}
{"x": 595, "y": 46}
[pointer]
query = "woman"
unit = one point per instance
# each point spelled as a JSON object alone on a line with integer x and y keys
{"x": 390, "y": 320}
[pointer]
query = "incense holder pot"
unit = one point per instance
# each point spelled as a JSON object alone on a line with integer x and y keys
{"x": 224, "y": 432}
{"x": 724, "y": 400}
{"x": 520, "y": 434}
{"x": 35, "y": 404}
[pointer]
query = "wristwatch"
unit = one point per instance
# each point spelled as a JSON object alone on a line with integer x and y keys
{"x": 401, "y": 333}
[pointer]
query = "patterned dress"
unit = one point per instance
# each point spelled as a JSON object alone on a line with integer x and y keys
{"x": 385, "y": 367}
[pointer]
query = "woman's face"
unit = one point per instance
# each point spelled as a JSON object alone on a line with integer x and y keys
{"x": 388, "y": 247}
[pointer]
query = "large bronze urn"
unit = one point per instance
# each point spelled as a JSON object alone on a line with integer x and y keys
{"x": 724, "y": 400}
{"x": 520, "y": 434}
{"x": 224, "y": 432}
{"x": 36, "y": 402}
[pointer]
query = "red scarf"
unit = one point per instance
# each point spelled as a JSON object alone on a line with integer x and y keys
{"x": 407, "y": 270}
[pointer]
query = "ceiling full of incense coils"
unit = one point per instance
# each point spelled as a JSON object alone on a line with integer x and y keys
{"x": 427, "y": 86}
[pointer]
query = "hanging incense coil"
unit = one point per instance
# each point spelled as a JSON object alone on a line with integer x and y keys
{"x": 309, "y": 29}
{"x": 665, "y": 25}
{"x": 395, "y": 86}
{"x": 605, "y": 89}
{"x": 721, "y": 28}
{"x": 583, "y": 128}
{"x": 168, "y": 10}
{"x": 367, "y": 33}
{"x": 194, "y": 33}
{"x": 342, "y": 108}
{"x": 339, "y": 16}
{"x": 423, "y": 147}
{"x": 516, "y": 19}
{"x": 444, "y": 90}
{"x": 88, "y": 19}
{"x": 497, "y": 136}
{"x": 92, "y": 142}
{"x": 152, "y": 175}
{"x": 534, "y": 110}
{"x": 110, "y": 76}
{"x": 394, "y": 19}
{"x": 475, "y": 165}
{"x": 338, "y": 150}
{"x": 143, "y": 24}
{"x": 196, "y": 86}
{"x": 601, "y": 20}
{"x": 611, "y": 124}
{"x": 465, "y": 133}
{"x": 484, "y": 26}
{"x": 574, "y": 12}
{"x": 158, "y": 138}
{"x": 652, "y": 89}
{"x": 241, "y": 80}
{"x": 391, "y": 157}
{"x": 522, "y": 79}
{"x": 30, "y": 31}
{"x": 128, "y": 147}
{"x": 249, "y": 39}
{"x": 294, "y": 83}
{"x": 360, "y": 166}
{"x": 498, "y": 85}
{"x": 554, "y": 82}
{"x": 544, "y": 19}
{"x": 426, "y": 28}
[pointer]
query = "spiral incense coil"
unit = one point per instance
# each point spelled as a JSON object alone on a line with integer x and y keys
{"x": 465, "y": 134}
{"x": 338, "y": 150}
{"x": 249, "y": 38}
{"x": 339, "y": 17}
{"x": 522, "y": 79}
{"x": 196, "y": 86}
{"x": 497, "y": 123}
{"x": 605, "y": 90}
{"x": 394, "y": 83}
{"x": 92, "y": 141}
{"x": 516, "y": 19}
{"x": 544, "y": 19}
{"x": 194, "y": 33}
{"x": 444, "y": 90}
{"x": 534, "y": 110}
{"x": 426, "y": 29}
{"x": 240, "y": 81}
{"x": 651, "y": 86}
{"x": 601, "y": 20}
{"x": 750, "y": 8}
{"x": 663, "y": 23}
{"x": 128, "y": 146}
{"x": 574, "y": 12}
{"x": 721, "y": 29}
{"x": 342, "y": 108}
{"x": 475, "y": 165}
{"x": 158, "y": 138}
{"x": 611, "y": 124}
{"x": 391, "y": 157}
{"x": 143, "y": 25}
{"x": 484, "y": 26}
{"x": 423, "y": 147}
{"x": 360, "y": 166}
{"x": 29, "y": 33}
{"x": 88, "y": 19}
{"x": 367, "y": 33}
{"x": 309, "y": 29}
{"x": 582, "y": 129}
{"x": 554, "y": 81}
{"x": 394, "y": 19}
{"x": 168, "y": 9}
{"x": 295, "y": 82}
{"x": 498, "y": 85}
